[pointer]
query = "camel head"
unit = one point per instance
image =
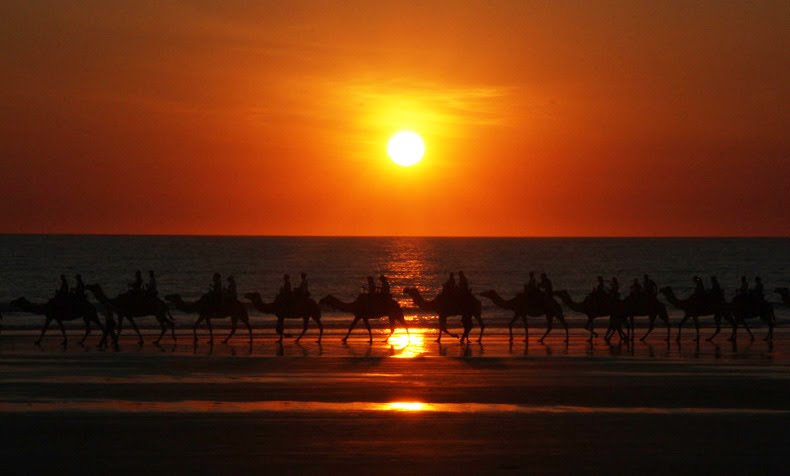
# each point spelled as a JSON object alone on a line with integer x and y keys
{"x": 94, "y": 288}
{"x": 252, "y": 296}
{"x": 173, "y": 298}
{"x": 490, "y": 294}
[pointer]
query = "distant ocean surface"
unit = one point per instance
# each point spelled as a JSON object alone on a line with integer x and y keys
{"x": 30, "y": 265}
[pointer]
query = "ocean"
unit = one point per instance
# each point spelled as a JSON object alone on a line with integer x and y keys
{"x": 30, "y": 266}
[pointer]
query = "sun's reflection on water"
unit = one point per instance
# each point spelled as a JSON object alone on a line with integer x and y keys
{"x": 408, "y": 345}
{"x": 406, "y": 406}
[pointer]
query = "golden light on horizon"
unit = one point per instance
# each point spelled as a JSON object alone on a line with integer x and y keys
{"x": 406, "y": 148}
{"x": 406, "y": 406}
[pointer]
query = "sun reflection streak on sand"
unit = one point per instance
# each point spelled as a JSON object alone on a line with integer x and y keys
{"x": 408, "y": 345}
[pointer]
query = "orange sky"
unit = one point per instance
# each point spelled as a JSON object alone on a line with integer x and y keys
{"x": 540, "y": 118}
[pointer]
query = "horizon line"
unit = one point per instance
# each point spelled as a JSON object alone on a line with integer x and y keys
{"x": 217, "y": 235}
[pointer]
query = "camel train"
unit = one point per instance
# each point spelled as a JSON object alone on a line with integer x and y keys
{"x": 377, "y": 302}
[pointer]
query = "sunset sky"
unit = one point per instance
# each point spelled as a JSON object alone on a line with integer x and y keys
{"x": 272, "y": 118}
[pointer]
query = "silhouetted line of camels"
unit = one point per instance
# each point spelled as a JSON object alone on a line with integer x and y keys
{"x": 621, "y": 312}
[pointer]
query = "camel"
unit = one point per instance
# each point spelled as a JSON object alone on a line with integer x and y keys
{"x": 128, "y": 306}
{"x": 748, "y": 306}
{"x": 693, "y": 307}
{"x": 366, "y": 307}
{"x": 207, "y": 308}
{"x": 785, "y": 294}
{"x": 644, "y": 306}
{"x": 300, "y": 308}
{"x": 593, "y": 308}
{"x": 63, "y": 309}
{"x": 535, "y": 307}
{"x": 467, "y": 306}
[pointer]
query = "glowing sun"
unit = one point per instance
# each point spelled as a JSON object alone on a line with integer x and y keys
{"x": 406, "y": 148}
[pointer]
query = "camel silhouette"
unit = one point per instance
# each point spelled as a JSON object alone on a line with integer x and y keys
{"x": 783, "y": 292}
{"x": 208, "y": 308}
{"x": 63, "y": 309}
{"x": 299, "y": 308}
{"x": 644, "y": 306}
{"x": 524, "y": 307}
{"x": 695, "y": 307}
{"x": 467, "y": 306}
{"x": 747, "y": 306}
{"x": 594, "y": 307}
{"x": 366, "y": 307}
{"x": 130, "y": 305}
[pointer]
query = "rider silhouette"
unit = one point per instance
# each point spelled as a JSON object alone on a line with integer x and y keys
{"x": 716, "y": 292}
{"x": 699, "y": 288}
{"x": 636, "y": 288}
{"x": 150, "y": 287}
{"x": 230, "y": 292}
{"x": 216, "y": 288}
{"x": 449, "y": 286}
{"x": 758, "y": 291}
{"x": 614, "y": 288}
{"x": 137, "y": 285}
{"x": 600, "y": 289}
{"x": 531, "y": 284}
{"x": 79, "y": 288}
{"x": 545, "y": 285}
{"x": 371, "y": 285}
{"x": 463, "y": 283}
{"x": 302, "y": 290}
{"x": 285, "y": 289}
{"x": 63, "y": 291}
{"x": 744, "y": 288}
{"x": 650, "y": 287}
{"x": 385, "y": 285}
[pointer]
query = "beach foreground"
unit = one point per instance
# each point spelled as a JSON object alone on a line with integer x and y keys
{"x": 494, "y": 408}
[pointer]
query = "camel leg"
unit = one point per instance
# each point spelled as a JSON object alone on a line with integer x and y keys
{"x": 549, "y": 325}
{"x": 466, "y": 321}
{"x": 87, "y": 331}
{"x": 669, "y": 328}
{"x": 680, "y": 325}
{"x": 120, "y": 325}
{"x": 696, "y": 326}
{"x": 136, "y": 330}
{"x": 510, "y": 326}
{"x": 320, "y": 328}
{"x": 565, "y": 325}
{"x": 163, "y": 328}
{"x": 195, "y": 326}
{"x": 591, "y": 327}
{"x": 479, "y": 319}
{"x": 44, "y": 330}
{"x": 392, "y": 331}
{"x": 770, "y": 335}
{"x": 650, "y": 324}
{"x": 717, "y": 321}
{"x": 62, "y": 331}
{"x": 233, "y": 324}
{"x": 249, "y": 329}
{"x": 370, "y": 333}
{"x": 305, "y": 324}
{"x": 526, "y": 328}
{"x": 210, "y": 330}
{"x": 351, "y": 328}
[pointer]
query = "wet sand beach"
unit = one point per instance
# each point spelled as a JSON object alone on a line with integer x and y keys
{"x": 415, "y": 406}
